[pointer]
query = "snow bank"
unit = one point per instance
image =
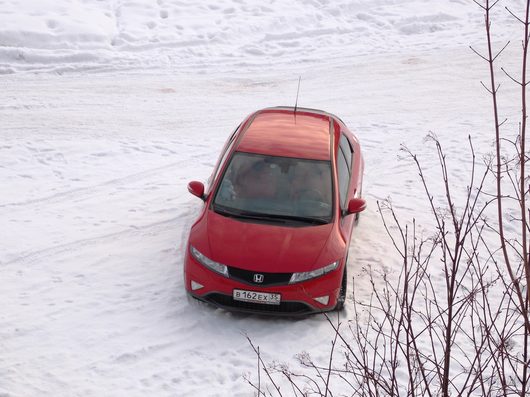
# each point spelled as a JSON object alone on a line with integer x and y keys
{"x": 47, "y": 35}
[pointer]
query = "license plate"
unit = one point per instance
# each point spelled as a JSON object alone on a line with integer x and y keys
{"x": 256, "y": 297}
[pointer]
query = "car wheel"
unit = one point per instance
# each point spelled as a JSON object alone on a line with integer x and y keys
{"x": 341, "y": 299}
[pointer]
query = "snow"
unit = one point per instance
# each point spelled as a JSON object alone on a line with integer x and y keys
{"x": 73, "y": 35}
{"x": 94, "y": 210}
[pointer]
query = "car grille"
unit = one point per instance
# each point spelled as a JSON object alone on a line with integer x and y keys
{"x": 269, "y": 279}
{"x": 283, "y": 307}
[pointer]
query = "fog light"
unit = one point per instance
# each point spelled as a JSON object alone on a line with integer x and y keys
{"x": 195, "y": 285}
{"x": 323, "y": 299}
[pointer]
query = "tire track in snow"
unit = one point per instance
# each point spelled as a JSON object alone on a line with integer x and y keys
{"x": 58, "y": 197}
{"x": 155, "y": 227}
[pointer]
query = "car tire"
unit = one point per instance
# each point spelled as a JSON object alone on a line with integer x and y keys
{"x": 341, "y": 299}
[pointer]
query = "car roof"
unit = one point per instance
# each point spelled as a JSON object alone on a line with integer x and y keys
{"x": 281, "y": 131}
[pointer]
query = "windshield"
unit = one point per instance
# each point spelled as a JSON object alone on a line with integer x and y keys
{"x": 274, "y": 188}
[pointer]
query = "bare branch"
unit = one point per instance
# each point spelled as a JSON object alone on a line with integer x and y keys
{"x": 269, "y": 376}
{"x": 515, "y": 16}
{"x": 500, "y": 52}
{"x": 480, "y": 5}
{"x": 493, "y": 5}
{"x": 487, "y": 89}
{"x": 513, "y": 79}
{"x": 479, "y": 54}
{"x": 504, "y": 121}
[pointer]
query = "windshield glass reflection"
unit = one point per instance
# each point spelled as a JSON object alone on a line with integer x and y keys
{"x": 278, "y": 186}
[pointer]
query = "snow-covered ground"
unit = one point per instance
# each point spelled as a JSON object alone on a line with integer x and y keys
{"x": 94, "y": 209}
{"x": 228, "y": 35}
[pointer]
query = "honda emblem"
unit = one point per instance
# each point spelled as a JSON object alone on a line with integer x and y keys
{"x": 258, "y": 278}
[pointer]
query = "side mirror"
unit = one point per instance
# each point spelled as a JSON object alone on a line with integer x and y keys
{"x": 356, "y": 205}
{"x": 197, "y": 189}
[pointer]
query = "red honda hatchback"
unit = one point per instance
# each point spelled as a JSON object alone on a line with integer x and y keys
{"x": 278, "y": 214}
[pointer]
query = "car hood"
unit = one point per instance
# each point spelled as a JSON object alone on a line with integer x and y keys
{"x": 266, "y": 247}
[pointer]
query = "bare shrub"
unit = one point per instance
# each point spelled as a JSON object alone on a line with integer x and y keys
{"x": 455, "y": 320}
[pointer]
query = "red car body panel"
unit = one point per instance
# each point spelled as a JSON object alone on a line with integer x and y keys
{"x": 248, "y": 245}
{"x": 258, "y": 247}
{"x": 273, "y": 132}
{"x": 301, "y": 292}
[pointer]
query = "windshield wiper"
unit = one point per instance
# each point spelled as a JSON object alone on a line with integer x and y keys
{"x": 305, "y": 219}
{"x": 233, "y": 213}
{"x": 269, "y": 217}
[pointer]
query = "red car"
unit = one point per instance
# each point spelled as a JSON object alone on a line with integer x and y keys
{"x": 278, "y": 214}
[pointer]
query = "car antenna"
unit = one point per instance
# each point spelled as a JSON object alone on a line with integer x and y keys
{"x": 297, "y": 91}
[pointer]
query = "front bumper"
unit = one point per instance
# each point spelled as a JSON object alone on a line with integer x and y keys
{"x": 285, "y": 308}
{"x": 296, "y": 299}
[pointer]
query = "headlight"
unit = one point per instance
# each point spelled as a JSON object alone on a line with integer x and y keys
{"x": 212, "y": 265}
{"x": 298, "y": 277}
